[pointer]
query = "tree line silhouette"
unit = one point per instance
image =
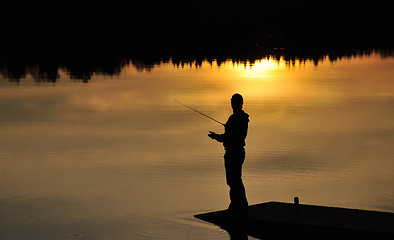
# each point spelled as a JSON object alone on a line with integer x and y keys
{"x": 103, "y": 38}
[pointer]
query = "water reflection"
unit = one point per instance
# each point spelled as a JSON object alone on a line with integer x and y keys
{"x": 49, "y": 71}
{"x": 115, "y": 157}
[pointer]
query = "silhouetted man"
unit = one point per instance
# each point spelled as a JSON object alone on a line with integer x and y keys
{"x": 233, "y": 139}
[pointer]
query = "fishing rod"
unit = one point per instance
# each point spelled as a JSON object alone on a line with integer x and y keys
{"x": 199, "y": 112}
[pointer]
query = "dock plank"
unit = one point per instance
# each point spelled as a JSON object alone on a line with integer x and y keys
{"x": 277, "y": 219}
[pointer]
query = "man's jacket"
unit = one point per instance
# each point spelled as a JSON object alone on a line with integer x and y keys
{"x": 236, "y": 129}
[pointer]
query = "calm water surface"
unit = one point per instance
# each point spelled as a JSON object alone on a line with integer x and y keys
{"x": 117, "y": 158}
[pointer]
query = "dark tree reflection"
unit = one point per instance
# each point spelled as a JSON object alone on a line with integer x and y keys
{"x": 102, "y": 39}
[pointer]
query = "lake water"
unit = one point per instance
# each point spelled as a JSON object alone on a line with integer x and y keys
{"x": 118, "y": 158}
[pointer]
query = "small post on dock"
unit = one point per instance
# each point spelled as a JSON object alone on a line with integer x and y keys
{"x": 296, "y": 202}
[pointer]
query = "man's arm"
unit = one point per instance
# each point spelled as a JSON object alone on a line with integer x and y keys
{"x": 215, "y": 136}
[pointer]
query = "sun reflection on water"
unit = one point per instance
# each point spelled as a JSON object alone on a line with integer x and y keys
{"x": 261, "y": 69}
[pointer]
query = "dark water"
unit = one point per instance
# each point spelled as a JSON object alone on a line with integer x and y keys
{"x": 117, "y": 158}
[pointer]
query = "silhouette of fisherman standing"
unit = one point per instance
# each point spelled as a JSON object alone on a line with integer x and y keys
{"x": 233, "y": 140}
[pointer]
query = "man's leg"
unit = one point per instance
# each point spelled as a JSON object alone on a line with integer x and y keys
{"x": 233, "y": 165}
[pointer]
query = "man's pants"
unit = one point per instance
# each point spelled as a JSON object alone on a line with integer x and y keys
{"x": 233, "y": 161}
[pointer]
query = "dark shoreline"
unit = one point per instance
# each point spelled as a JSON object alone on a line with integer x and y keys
{"x": 105, "y": 38}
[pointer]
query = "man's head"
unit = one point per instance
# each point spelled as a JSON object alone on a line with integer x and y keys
{"x": 236, "y": 102}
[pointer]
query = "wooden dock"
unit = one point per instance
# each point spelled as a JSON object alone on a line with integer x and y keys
{"x": 278, "y": 220}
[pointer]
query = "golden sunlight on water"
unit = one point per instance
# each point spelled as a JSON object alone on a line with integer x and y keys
{"x": 118, "y": 157}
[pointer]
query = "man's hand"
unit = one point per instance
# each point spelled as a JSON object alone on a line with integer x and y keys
{"x": 213, "y": 135}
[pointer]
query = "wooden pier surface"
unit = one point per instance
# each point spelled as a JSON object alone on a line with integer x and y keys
{"x": 278, "y": 220}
